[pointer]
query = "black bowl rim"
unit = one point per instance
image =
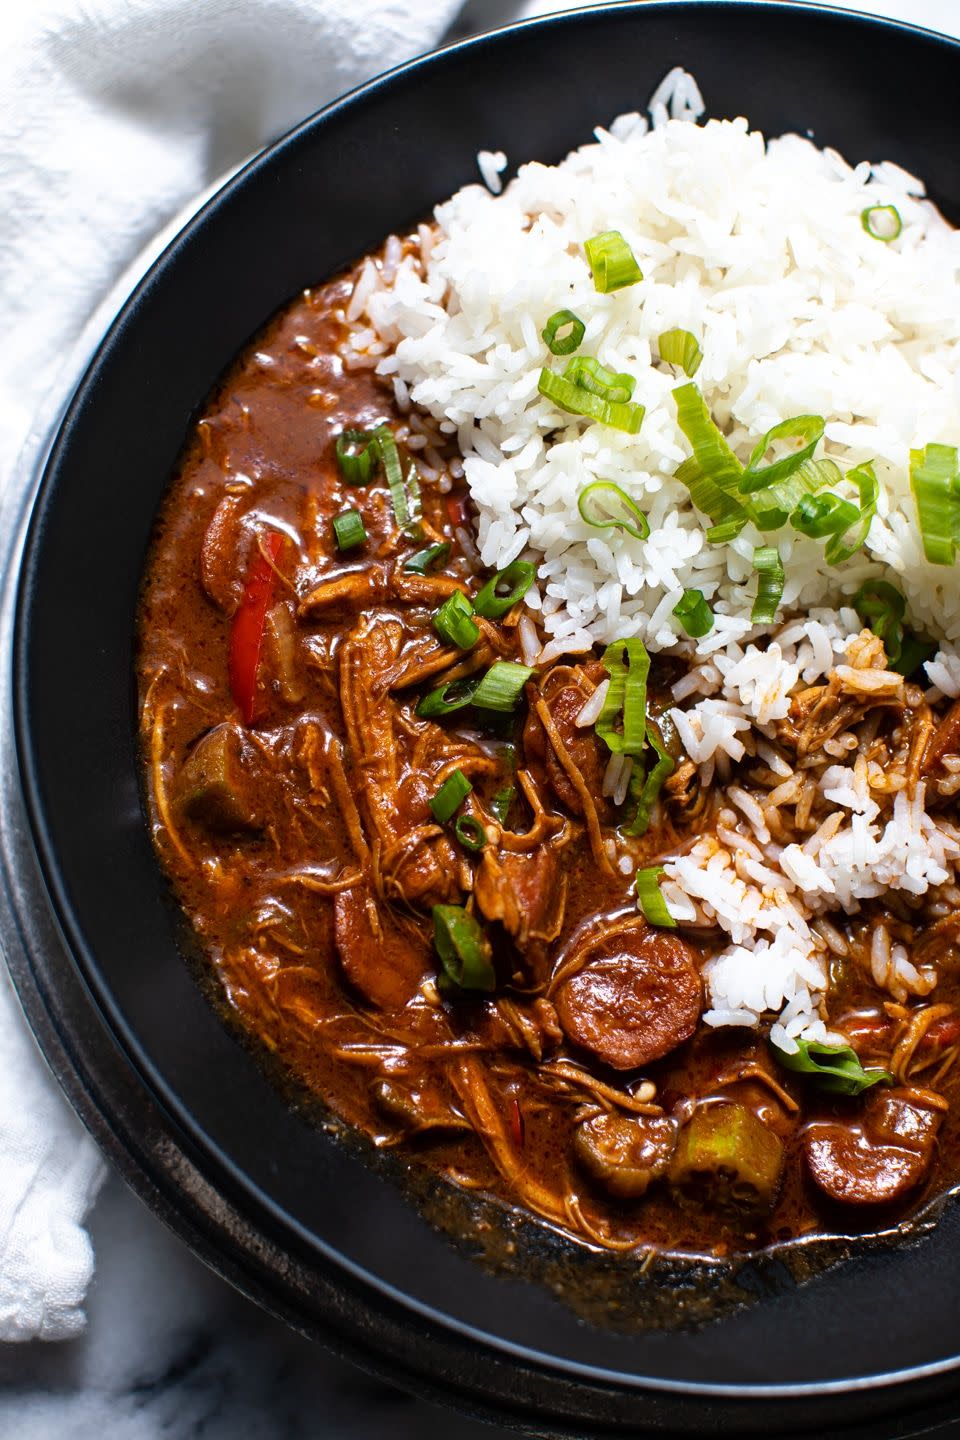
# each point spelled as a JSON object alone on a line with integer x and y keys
{"x": 66, "y": 921}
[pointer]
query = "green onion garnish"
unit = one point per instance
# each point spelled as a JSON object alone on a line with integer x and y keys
{"x": 606, "y": 507}
{"x": 501, "y": 802}
{"x": 769, "y": 567}
{"x": 454, "y": 622}
{"x": 882, "y": 608}
{"x": 646, "y": 790}
{"x": 713, "y": 472}
{"x": 818, "y": 516}
{"x": 492, "y": 602}
{"x": 628, "y": 664}
{"x": 577, "y": 400}
{"x": 651, "y": 898}
{"x": 563, "y": 332}
{"x": 357, "y": 455}
{"x": 835, "y": 1068}
{"x": 613, "y": 385}
{"x": 463, "y": 949}
{"x": 612, "y": 262}
{"x": 915, "y": 650}
{"x": 679, "y": 347}
{"x": 936, "y": 489}
{"x": 450, "y": 797}
{"x": 470, "y": 833}
{"x": 840, "y": 547}
{"x": 694, "y": 613}
{"x": 502, "y": 686}
{"x": 349, "y": 530}
{"x": 771, "y": 507}
{"x": 425, "y": 560}
{"x": 447, "y": 698}
{"x": 882, "y": 222}
{"x": 404, "y": 497}
{"x": 806, "y": 428}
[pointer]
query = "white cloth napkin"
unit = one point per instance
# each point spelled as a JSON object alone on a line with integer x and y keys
{"x": 114, "y": 114}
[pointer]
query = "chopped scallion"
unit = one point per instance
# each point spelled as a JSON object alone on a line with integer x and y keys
{"x": 404, "y": 496}
{"x": 881, "y": 606}
{"x": 651, "y": 898}
{"x": 501, "y": 802}
{"x": 818, "y": 516}
{"x": 713, "y": 472}
{"x": 613, "y": 264}
{"x": 645, "y": 790}
{"x": 935, "y": 483}
{"x": 463, "y": 949}
{"x": 881, "y": 222}
{"x": 470, "y": 833}
{"x": 613, "y": 385}
{"x": 576, "y": 400}
{"x": 349, "y": 530}
{"x": 841, "y": 547}
{"x": 493, "y": 601}
{"x": 628, "y": 664}
{"x": 450, "y": 797}
{"x": 694, "y": 613}
{"x": 425, "y": 560}
{"x": 447, "y": 698}
{"x": 606, "y": 507}
{"x": 502, "y": 686}
{"x": 679, "y": 347}
{"x": 771, "y": 507}
{"x": 454, "y": 621}
{"x": 808, "y": 429}
{"x": 357, "y": 455}
{"x": 769, "y": 567}
{"x": 563, "y": 332}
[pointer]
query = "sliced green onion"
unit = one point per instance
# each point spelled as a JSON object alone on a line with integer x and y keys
{"x": 713, "y": 472}
{"x": 454, "y": 621}
{"x": 606, "y": 507}
{"x": 357, "y": 455}
{"x": 501, "y": 802}
{"x": 576, "y": 400}
{"x": 915, "y": 650}
{"x": 463, "y": 949}
{"x": 694, "y": 613}
{"x": 628, "y": 664}
{"x": 834, "y": 1068}
{"x": 644, "y": 790}
{"x": 806, "y": 428}
{"x": 881, "y": 222}
{"x": 612, "y": 263}
{"x": 447, "y": 698}
{"x": 425, "y": 560}
{"x": 404, "y": 497}
{"x": 613, "y": 385}
{"x": 573, "y": 330}
{"x": 771, "y": 507}
{"x": 450, "y": 797}
{"x": 882, "y": 608}
{"x": 936, "y": 489}
{"x": 470, "y": 833}
{"x": 840, "y": 547}
{"x": 349, "y": 530}
{"x": 818, "y": 516}
{"x": 679, "y": 347}
{"x": 769, "y": 567}
{"x": 651, "y": 898}
{"x": 502, "y": 686}
{"x": 492, "y": 602}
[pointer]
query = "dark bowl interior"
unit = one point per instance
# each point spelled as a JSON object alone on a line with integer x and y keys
{"x": 328, "y": 192}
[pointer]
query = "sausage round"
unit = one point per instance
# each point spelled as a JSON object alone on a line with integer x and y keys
{"x": 881, "y": 1157}
{"x": 637, "y": 996}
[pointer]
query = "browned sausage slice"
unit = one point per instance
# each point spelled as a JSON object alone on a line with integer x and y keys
{"x": 881, "y": 1157}
{"x": 637, "y": 996}
{"x": 381, "y": 959}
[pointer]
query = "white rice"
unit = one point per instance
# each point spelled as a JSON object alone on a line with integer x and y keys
{"x": 757, "y": 247}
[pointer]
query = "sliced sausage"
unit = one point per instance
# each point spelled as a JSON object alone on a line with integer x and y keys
{"x": 637, "y": 996}
{"x": 880, "y": 1157}
{"x": 625, "y": 1153}
{"x": 382, "y": 959}
{"x": 222, "y": 555}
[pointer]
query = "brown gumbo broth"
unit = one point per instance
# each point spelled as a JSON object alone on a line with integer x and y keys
{"x": 289, "y": 781}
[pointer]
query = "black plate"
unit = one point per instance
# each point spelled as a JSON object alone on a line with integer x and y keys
{"x": 299, "y": 1220}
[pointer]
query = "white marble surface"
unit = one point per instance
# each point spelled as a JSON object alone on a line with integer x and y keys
{"x": 171, "y": 1350}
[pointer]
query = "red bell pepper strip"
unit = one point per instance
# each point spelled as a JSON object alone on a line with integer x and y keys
{"x": 246, "y": 636}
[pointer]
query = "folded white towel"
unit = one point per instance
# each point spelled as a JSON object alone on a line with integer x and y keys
{"x": 113, "y": 115}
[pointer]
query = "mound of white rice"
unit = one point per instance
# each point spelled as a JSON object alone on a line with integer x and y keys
{"x": 757, "y": 247}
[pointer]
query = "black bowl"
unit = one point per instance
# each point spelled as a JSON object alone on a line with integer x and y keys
{"x": 294, "y": 1217}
